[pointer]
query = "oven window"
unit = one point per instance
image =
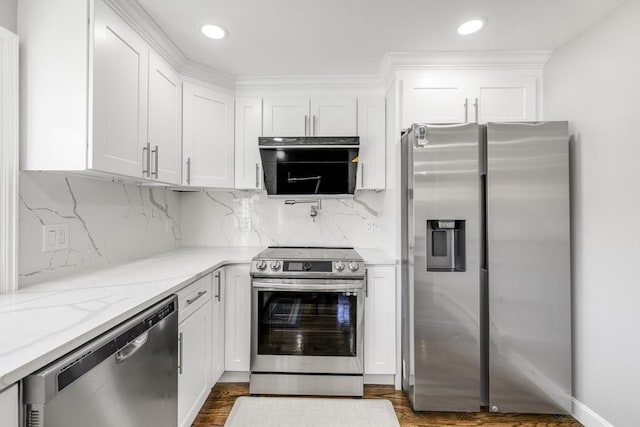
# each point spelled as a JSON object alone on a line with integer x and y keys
{"x": 307, "y": 323}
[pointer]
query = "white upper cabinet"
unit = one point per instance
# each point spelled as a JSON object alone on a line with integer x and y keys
{"x": 120, "y": 72}
{"x": 165, "y": 121}
{"x": 248, "y": 166}
{"x": 439, "y": 101}
{"x": 286, "y": 116}
{"x": 469, "y": 96}
{"x": 315, "y": 116}
{"x": 372, "y": 153}
{"x": 505, "y": 99}
{"x": 208, "y": 146}
{"x": 333, "y": 116}
{"x": 95, "y": 97}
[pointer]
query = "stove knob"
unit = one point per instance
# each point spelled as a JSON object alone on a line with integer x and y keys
{"x": 275, "y": 265}
{"x": 339, "y": 265}
{"x": 353, "y": 266}
{"x": 261, "y": 265}
{"x": 306, "y": 266}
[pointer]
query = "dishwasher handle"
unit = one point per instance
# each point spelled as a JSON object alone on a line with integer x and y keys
{"x": 130, "y": 349}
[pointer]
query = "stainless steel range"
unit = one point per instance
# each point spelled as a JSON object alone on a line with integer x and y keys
{"x": 307, "y": 321}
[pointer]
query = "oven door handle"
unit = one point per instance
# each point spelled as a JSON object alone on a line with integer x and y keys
{"x": 302, "y": 287}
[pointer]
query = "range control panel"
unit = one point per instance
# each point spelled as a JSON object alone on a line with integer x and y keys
{"x": 302, "y": 267}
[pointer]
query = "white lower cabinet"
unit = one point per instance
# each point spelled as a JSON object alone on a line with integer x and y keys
{"x": 194, "y": 339}
{"x": 380, "y": 321}
{"x": 237, "y": 336}
{"x": 218, "y": 322}
{"x": 10, "y": 407}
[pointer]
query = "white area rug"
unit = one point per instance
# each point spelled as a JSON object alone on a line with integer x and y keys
{"x": 311, "y": 412}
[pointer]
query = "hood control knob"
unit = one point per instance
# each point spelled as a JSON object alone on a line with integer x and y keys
{"x": 339, "y": 265}
{"x": 353, "y": 266}
{"x": 261, "y": 265}
{"x": 275, "y": 265}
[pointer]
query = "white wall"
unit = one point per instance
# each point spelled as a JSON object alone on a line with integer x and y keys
{"x": 218, "y": 218}
{"x": 108, "y": 223}
{"x": 594, "y": 81}
{"x": 8, "y": 15}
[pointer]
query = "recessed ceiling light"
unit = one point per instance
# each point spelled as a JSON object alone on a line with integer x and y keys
{"x": 472, "y": 26}
{"x": 214, "y": 32}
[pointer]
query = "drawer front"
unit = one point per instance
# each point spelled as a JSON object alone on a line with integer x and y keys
{"x": 194, "y": 296}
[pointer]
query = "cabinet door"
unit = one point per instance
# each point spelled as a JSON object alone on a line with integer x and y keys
{"x": 10, "y": 407}
{"x": 333, "y": 116}
{"x": 217, "y": 341}
{"x": 286, "y": 116}
{"x": 120, "y": 74}
{"x": 505, "y": 99}
{"x": 436, "y": 100}
{"x": 237, "y": 336}
{"x": 207, "y": 137}
{"x": 194, "y": 334}
{"x": 372, "y": 155}
{"x": 380, "y": 321}
{"x": 248, "y": 168}
{"x": 165, "y": 120}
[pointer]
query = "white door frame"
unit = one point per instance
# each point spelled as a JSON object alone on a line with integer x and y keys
{"x": 9, "y": 167}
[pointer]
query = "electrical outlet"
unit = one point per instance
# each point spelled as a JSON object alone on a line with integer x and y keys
{"x": 55, "y": 237}
{"x": 368, "y": 226}
{"x": 245, "y": 224}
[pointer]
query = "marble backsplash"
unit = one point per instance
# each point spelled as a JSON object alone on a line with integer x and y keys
{"x": 236, "y": 218}
{"x": 108, "y": 223}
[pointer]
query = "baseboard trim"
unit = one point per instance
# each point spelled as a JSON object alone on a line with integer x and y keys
{"x": 234, "y": 377}
{"x": 379, "y": 379}
{"x": 587, "y": 416}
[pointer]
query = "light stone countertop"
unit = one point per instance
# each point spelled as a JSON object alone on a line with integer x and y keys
{"x": 43, "y": 322}
{"x": 40, "y": 323}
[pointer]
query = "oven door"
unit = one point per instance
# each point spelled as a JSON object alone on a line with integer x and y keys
{"x": 307, "y": 326}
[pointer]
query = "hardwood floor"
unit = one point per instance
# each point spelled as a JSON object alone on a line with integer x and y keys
{"x": 220, "y": 401}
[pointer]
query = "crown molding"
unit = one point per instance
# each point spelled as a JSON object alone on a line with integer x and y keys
{"x": 460, "y": 60}
{"x": 308, "y": 82}
{"x": 135, "y": 15}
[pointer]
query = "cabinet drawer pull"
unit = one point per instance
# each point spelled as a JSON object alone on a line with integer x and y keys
{"x": 188, "y": 170}
{"x": 366, "y": 282}
{"x": 155, "y": 169}
{"x": 306, "y": 125}
{"x": 146, "y": 156}
{"x": 466, "y": 110}
{"x": 197, "y": 297}
{"x": 361, "y": 175}
{"x": 475, "y": 104}
{"x": 217, "y": 296}
{"x": 180, "y": 340}
{"x": 257, "y": 175}
{"x": 315, "y": 126}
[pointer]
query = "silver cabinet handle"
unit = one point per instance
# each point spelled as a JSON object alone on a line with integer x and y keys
{"x": 306, "y": 125}
{"x": 361, "y": 175}
{"x": 315, "y": 125}
{"x": 196, "y": 298}
{"x": 366, "y": 282}
{"x": 217, "y": 295}
{"x": 130, "y": 349}
{"x": 466, "y": 110}
{"x": 475, "y": 105}
{"x": 257, "y": 175}
{"x": 146, "y": 155}
{"x": 155, "y": 169}
{"x": 180, "y": 346}
{"x": 188, "y": 170}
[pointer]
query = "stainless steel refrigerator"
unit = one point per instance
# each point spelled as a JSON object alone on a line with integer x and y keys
{"x": 486, "y": 267}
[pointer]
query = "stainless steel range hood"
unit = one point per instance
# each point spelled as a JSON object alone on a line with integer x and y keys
{"x": 309, "y": 167}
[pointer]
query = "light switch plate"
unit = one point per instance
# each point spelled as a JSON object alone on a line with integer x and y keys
{"x": 368, "y": 226}
{"x": 55, "y": 237}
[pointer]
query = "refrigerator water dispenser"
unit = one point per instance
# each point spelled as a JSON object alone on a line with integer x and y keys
{"x": 446, "y": 245}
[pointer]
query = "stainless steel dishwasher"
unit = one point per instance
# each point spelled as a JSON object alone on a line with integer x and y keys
{"x": 127, "y": 377}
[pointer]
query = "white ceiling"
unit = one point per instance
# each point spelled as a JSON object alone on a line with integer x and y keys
{"x": 347, "y": 37}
